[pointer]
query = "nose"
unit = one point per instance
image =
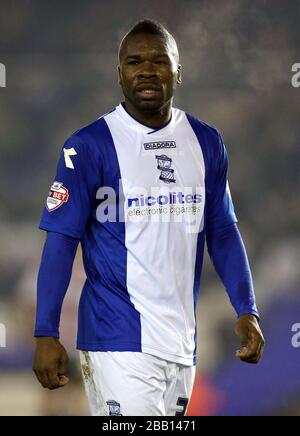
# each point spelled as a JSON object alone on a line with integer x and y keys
{"x": 147, "y": 70}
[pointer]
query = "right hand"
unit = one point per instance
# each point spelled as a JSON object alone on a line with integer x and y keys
{"x": 50, "y": 363}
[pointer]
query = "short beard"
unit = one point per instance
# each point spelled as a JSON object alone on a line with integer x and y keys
{"x": 148, "y": 107}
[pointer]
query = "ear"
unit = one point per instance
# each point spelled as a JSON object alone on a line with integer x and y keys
{"x": 179, "y": 74}
{"x": 119, "y": 74}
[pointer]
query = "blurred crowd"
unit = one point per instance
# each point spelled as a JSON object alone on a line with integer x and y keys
{"x": 61, "y": 59}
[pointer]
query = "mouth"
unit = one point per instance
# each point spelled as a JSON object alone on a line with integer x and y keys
{"x": 148, "y": 90}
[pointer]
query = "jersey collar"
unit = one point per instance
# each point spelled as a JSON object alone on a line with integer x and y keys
{"x": 132, "y": 122}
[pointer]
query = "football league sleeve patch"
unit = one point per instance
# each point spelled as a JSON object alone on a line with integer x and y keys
{"x": 57, "y": 196}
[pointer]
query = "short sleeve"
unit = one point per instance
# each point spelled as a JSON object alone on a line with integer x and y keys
{"x": 219, "y": 205}
{"x": 70, "y": 200}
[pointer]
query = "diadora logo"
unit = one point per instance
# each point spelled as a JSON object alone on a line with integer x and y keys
{"x": 160, "y": 144}
{"x": 164, "y": 165}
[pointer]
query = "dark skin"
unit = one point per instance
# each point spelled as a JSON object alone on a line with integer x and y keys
{"x": 251, "y": 337}
{"x": 149, "y": 74}
{"x": 50, "y": 363}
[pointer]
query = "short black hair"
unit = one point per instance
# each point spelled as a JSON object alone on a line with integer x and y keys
{"x": 152, "y": 27}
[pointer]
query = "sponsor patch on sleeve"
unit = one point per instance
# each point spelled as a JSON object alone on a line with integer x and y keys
{"x": 57, "y": 196}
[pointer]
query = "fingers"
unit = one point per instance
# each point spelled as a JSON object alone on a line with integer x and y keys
{"x": 62, "y": 370}
{"x": 63, "y": 364}
{"x": 53, "y": 378}
{"x": 260, "y": 350}
{"x": 252, "y": 340}
{"x": 50, "y": 378}
{"x": 63, "y": 380}
{"x": 50, "y": 363}
{"x": 42, "y": 377}
{"x": 243, "y": 332}
{"x": 47, "y": 378}
{"x": 252, "y": 352}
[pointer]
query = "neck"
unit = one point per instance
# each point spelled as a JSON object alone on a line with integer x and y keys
{"x": 154, "y": 119}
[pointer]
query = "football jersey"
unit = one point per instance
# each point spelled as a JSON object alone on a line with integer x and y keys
{"x": 140, "y": 200}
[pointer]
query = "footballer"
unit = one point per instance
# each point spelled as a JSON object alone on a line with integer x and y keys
{"x": 142, "y": 189}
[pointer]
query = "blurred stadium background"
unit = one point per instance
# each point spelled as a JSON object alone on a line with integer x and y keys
{"x": 237, "y": 56}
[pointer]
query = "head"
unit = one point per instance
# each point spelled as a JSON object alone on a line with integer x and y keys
{"x": 149, "y": 69}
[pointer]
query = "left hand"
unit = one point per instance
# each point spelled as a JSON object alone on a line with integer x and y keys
{"x": 252, "y": 339}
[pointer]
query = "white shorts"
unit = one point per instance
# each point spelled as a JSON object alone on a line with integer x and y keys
{"x": 135, "y": 384}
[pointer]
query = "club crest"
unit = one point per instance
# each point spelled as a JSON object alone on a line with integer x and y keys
{"x": 164, "y": 165}
{"x": 114, "y": 408}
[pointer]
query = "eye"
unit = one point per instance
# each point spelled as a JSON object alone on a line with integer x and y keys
{"x": 132, "y": 62}
{"x": 163, "y": 62}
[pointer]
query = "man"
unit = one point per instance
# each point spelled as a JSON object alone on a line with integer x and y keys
{"x": 166, "y": 173}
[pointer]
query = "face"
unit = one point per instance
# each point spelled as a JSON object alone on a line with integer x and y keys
{"x": 148, "y": 73}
